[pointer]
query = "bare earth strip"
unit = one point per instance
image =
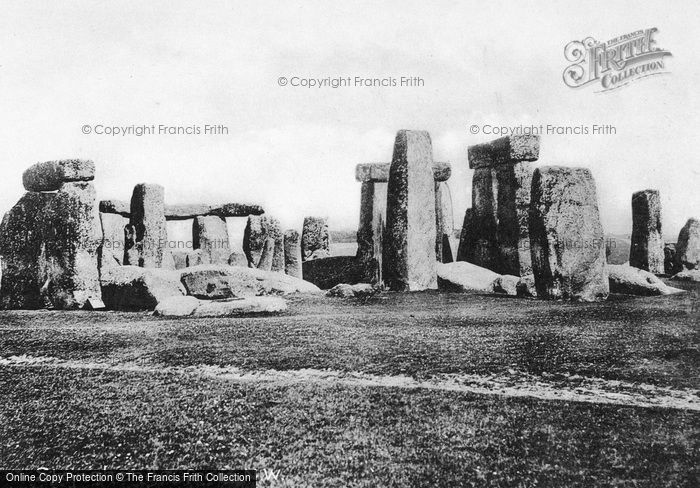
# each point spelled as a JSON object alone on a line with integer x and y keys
{"x": 517, "y": 384}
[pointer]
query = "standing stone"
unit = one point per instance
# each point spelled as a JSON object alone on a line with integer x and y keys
{"x": 443, "y": 223}
{"x": 484, "y": 227}
{"x": 147, "y": 222}
{"x": 370, "y": 233}
{"x": 315, "y": 238}
{"x": 513, "y": 206}
{"x": 647, "y": 247}
{"x": 670, "y": 266}
{"x": 567, "y": 242}
{"x": 210, "y": 234}
{"x": 267, "y": 255}
{"x": 688, "y": 246}
{"x": 112, "y": 250}
{"x": 292, "y": 253}
{"x": 21, "y": 248}
{"x": 467, "y": 243}
{"x": 409, "y": 242}
{"x": 274, "y": 232}
{"x": 71, "y": 238}
{"x": 238, "y": 259}
{"x": 254, "y": 237}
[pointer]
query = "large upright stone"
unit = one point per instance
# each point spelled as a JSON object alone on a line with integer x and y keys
{"x": 267, "y": 255}
{"x": 147, "y": 222}
{"x": 274, "y": 232}
{"x": 466, "y": 237}
{"x": 499, "y": 232}
{"x": 254, "y": 237}
{"x": 21, "y": 247}
{"x": 315, "y": 238}
{"x": 292, "y": 253}
{"x": 647, "y": 246}
{"x": 567, "y": 243}
{"x": 112, "y": 250}
{"x": 688, "y": 246}
{"x": 409, "y": 242}
{"x": 370, "y": 233}
{"x": 210, "y": 234}
{"x": 50, "y": 175}
{"x": 71, "y": 238}
{"x": 443, "y": 223}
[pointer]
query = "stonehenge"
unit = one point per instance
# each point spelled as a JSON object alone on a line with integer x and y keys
{"x": 497, "y": 236}
{"x": 263, "y": 243}
{"x": 146, "y": 229}
{"x": 567, "y": 242}
{"x": 688, "y": 246}
{"x": 210, "y": 234}
{"x": 409, "y": 240}
{"x": 647, "y": 247}
{"x": 292, "y": 253}
{"x": 315, "y": 238}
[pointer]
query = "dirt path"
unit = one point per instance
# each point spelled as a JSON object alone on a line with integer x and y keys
{"x": 515, "y": 384}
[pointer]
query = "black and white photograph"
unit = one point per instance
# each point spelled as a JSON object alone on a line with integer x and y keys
{"x": 350, "y": 243}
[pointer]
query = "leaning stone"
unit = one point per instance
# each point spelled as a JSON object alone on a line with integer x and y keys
{"x": 568, "y": 246}
{"x": 629, "y": 280}
{"x": 687, "y": 275}
{"x": 315, "y": 238}
{"x": 409, "y": 243}
{"x": 461, "y": 276}
{"x": 210, "y": 234}
{"x": 647, "y": 247}
{"x": 504, "y": 150}
{"x": 112, "y": 250}
{"x": 245, "y": 306}
{"x": 177, "y": 306}
{"x": 71, "y": 238}
{"x": 21, "y": 247}
{"x": 148, "y": 221}
{"x": 506, "y": 284}
{"x": 688, "y": 246}
{"x": 292, "y": 253}
{"x": 51, "y": 175}
{"x": 132, "y": 288}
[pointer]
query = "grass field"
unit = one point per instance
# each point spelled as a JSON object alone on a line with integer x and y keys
{"x": 131, "y": 390}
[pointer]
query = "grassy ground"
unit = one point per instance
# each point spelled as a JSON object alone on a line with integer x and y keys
{"x": 339, "y": 435}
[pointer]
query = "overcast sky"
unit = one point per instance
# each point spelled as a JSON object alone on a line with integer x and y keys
{"x": 294, "y": 149}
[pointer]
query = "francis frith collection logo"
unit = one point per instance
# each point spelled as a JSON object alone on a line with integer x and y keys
{"x": 614, "y": 63}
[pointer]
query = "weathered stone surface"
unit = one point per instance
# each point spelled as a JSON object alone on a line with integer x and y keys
{"x": 328, "y": 272}
{"x": 526, "y": 287}
{"x": 461, "y": 276}
{"x": 443, "y": 223}
{"x": 647, "y": 247}
{"x": 688, "y": 246}
{"x": 292, "y": 253}
{"x": 506, "y": 284}
{"x": 50, "y": 175}
{"x": 196, "y": 257}
{"x": 670, "y": 266}
{"x": 379, "y": 172}
{"x": 237, "y": 259}
{"x": 267, "y": 255}
{"x": 504, "y": 150}
{"x": 254, "y": 240}
{"x": 245, "y": 306}
{"x": 343, "y": 290}
{"x": 179, "y": 259}
{"x": 687, "y": 275}
{"x": 315, "y": 238}
{"x": 186, "y": 212}
{"x": 71, "y": 238}
{"x": 112, "y": 250}
{"x": 513, "y": 208}
{"x": 211, "y": 281}
{"x": 629, "y": 280}
{"x": 150, "y": 233}
{"x": 370, "y": 233}
{"x": 274, "y": 233}
{"x": 168, "y": 260}
{"x": 210, "y": 234}
{"x": 617, "y": 250}
{"x": 132, "y": 288}
{"x": 482, "y": 232}
{"x": 568, "y": 247}
{"x": 21, "y": 251}
{"x": 176, "y": 306}
{"x": 467, "y": 237}
{"x": 409, "y": 242}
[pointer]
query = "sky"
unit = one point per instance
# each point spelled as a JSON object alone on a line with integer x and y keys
{"x": 293, "y": 149}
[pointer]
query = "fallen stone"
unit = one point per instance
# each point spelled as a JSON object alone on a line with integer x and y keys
{"x": 568, "y": 246}
{"x": 50, "y": 175}
{"x": 315, "y": 238}
{"x": 292, "y": 253}
{"x": 176, "y": 306}
{"x": 132, "y": 288}
{"x": 688, "y": 246}
{"x": 150, "y": 233}
{"x": 647, "y": 246}
{"x": 409, "y": 242}
{"x": 245, "y": 306}
{"x": 629, "y": 280}
{"x": 379, "y": 172}
{"x": 328, "y": 272}
{"x": 504, "y": 150}
{"x": 687, "y": 275}
{"x": 344, "y": 290}
{"x": 461, "y": 276}
{"x": 210, "y": 235}
{"x": 506, "y": 284}
{"x": 526, "y": 287}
